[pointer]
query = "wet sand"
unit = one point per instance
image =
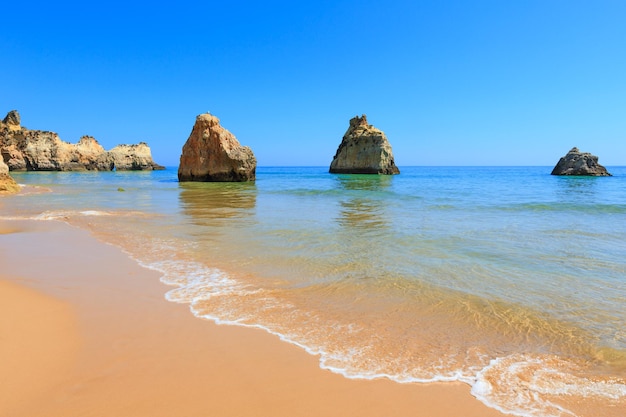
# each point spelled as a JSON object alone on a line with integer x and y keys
{"x": 85, "y": 331}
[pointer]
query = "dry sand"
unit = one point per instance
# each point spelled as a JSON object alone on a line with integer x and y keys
{"x": 85, "y": 331}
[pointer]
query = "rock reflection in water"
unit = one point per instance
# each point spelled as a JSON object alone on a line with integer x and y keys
{"x": 362, "y": 214}
{"x": 364, "y": 204}
{"x": 217, "y": 203}
{"x": 364, "y": 182}
{"x": 575, "y": 187}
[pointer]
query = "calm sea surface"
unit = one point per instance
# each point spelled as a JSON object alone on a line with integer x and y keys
{"x": 506, "y": 278}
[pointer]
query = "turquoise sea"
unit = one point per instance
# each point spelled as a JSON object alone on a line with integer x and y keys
{"x": 506, "y": 278}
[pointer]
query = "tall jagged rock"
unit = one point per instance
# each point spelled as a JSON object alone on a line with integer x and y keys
{"x": 38, "y": 150}
{"x": 7, "y": 183}
{"x": 212, "y": 153}
{"x": 363, "y": 150}
{"x": 580, "y": 163}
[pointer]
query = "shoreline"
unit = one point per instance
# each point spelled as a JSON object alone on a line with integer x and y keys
{"x": 117, "y": 347}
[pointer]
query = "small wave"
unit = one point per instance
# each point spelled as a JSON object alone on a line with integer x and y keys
{"x": 66, "y": 214}
{"x": 15, "y": 218}
{"x": 521, "y": 384}
{"x": 69, "y": 214}
{"x": 29, "y": 189}
{"x": 50, "y": 215}
{"x": 193, "y": 280}
{"x": 94, "y": 213}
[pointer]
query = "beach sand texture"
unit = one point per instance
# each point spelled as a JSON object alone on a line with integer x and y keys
{"x": 85, "y": 331}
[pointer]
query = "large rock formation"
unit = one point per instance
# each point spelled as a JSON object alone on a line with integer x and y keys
{"x": 38, "y": 150}
{"x": 580, "y": 163}
{"x": 7, "y": 183}
{"x": 363, "y": 150}
{"x": 212, "y": 153}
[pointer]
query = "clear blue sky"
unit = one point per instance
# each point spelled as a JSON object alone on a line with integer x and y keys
{"x": 502, "y": 82}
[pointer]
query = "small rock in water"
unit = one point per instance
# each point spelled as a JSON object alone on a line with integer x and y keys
{"x": 580, "y": 163}
{"x": 363, "y": 150}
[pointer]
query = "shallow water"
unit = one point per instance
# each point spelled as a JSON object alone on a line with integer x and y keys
{"x": 506, "y": 278}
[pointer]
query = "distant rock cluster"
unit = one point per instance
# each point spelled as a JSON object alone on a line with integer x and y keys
{"x": 37, "y": 150}
{"x": 212, "y": 153}
{"x": 580, "y": 163}
{"x": 363, "y": 150}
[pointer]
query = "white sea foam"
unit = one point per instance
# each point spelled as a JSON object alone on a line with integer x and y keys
{"x": 523, "y": 381}
{"x": 44, "y": 216}
{"x": 94, "y": 213}
{"x": 51, "y": 215}
{"x": 67, "y": 214}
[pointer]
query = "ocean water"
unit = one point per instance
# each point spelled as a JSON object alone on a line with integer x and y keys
{"x": 506, "y": 278}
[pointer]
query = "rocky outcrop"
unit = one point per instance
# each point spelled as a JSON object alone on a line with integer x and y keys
{"x": 212, "y": 153}
{"x": 12, "y": 120}
{"x": 363, "y": 150}
{"x": 37, "y": 150}
{"x": 132, "y": 158}
{"x": 580, "y": 163}
{"x": 7, "y": 183}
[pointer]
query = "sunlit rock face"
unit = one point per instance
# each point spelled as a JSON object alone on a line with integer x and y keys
{"x": 132, "y": 158}
{"x": 37, "y": 150}
{"x": 7, "y": 183}
{"x": 212, "y": 153}
{"x": 363, "y": 150}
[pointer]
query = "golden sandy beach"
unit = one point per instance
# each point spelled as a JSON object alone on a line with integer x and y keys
{"x": 85, "y": 331}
